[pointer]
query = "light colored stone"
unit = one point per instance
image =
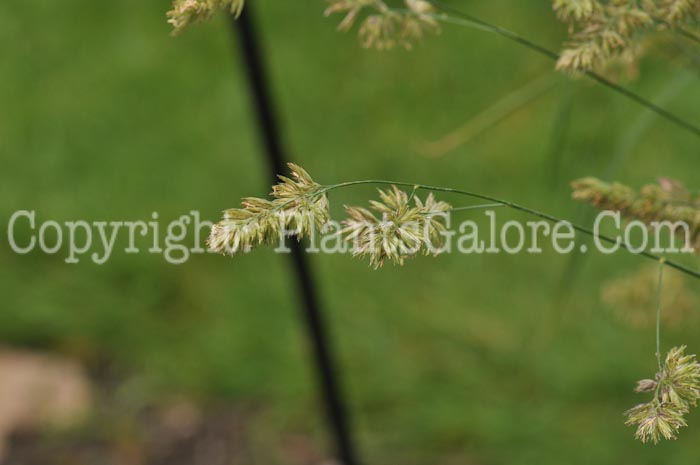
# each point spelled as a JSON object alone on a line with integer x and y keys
{"x": 40, "y": 390}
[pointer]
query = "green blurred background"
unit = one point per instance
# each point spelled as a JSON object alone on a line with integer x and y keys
{"x": 451, "y": 360}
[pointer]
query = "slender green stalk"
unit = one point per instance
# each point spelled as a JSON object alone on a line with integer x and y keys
{"x": 658, "y": 312}
{"x": 514, "y": 206}
{"x": 624, "y": 148}
{"x": 477, "y": 207}
{"x": 681, "y": 31}
{"x": 690, "y": 35}
{"x": 413, "y": 193}
{"x": 460, "y": 18}
{"x": 559, "y": 134}
{"x": 490, "y": 116}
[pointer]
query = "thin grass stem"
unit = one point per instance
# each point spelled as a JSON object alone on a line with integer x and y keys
{"x": 658, "y": 313}
{"x": 456, "y": 17}
{"x": 690, "y": 35}
{"x": 521, "y": 208}
{"x": 477, "y": 207}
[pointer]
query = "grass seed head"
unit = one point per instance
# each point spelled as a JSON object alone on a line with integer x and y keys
{"x": 404, "y": 230}
{"x": 676, "y": 389}
{"x": 297, "y": 205}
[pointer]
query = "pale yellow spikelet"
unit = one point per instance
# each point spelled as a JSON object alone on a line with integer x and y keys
{"x": 298, "y": 206}
{"x": 675, "y": 12}
{"x": 403, "y": 229}
{"x": 577, "y": 10}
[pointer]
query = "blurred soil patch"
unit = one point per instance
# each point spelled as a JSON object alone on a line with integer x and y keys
{"x": 53, "y": 413}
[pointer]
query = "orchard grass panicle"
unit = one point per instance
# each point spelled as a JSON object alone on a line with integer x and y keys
{"x": 668, "y": 200}
{"x": 605, "y": 31}
{"x": 299, "y": 206}
{"x": 404, "y": 230}
{"x": 676, "y": 389}
{"x": 186, "y": 12}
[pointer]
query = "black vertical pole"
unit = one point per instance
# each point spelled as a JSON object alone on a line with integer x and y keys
{"x": 313, "y": 317}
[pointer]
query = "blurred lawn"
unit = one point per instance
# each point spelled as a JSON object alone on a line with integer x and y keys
{"x": 454, "y": 360}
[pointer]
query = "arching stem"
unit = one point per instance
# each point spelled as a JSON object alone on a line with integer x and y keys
{"x": 515, "y": 206}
